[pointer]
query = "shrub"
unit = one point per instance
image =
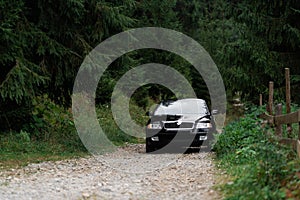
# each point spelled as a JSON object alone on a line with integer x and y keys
{"x": 54, "y": 124}
{"x": 259, "y": 164}
{"x": 111, "y": 129}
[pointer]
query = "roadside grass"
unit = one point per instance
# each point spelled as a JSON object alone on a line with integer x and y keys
{"x": 14, "y": 160}
{"x": 257, "y": 165}
{"x": 16, "y": 151}
{"x": 111, "y": 129}
{"x": 52, "y": 135}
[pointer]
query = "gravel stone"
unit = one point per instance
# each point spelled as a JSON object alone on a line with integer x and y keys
{"x": 128, "y": 173}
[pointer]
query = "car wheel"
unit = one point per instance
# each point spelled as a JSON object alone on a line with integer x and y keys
{"x": 150, "y": 147}
{"x": 207, "y": 144}
{"x": 192, "y": 150}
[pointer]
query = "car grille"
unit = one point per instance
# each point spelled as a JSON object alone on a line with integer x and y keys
{"x": 182, "y": 125}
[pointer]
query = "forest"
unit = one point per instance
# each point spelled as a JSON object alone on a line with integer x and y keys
{"x": 43, "y": 44}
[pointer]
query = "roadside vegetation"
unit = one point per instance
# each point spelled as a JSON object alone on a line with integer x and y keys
{"x": 43, "y": 43}
{"x": 258, "y": 166}
{"x": 51, "y": 134}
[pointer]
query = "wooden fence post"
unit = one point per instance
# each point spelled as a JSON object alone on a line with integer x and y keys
{"x": 270, "y": 102}
{"x": 298, "y": 148}
{"x": 278, "y": 129}
{"x": 288, "y": 97}
{"x": 298, "y": 141}
{"x": 299, "y": 124}
{"x": 260, "y": 100}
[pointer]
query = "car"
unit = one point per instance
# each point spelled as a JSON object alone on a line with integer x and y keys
{"x": 178, "y": 125}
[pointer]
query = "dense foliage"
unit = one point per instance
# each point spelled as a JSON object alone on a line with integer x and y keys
{"x": 43, "y": 43}
{"x": 260, "y": 168}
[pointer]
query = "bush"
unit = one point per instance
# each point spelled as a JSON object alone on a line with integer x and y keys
{"x": 111, "y": 129}
{"x": 19, "y": 142}
{"x": 262, "y": 168}
{"x": 53, "y": 124}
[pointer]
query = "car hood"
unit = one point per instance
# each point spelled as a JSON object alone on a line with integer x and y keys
{"x": 187, "y": 118}
{"x": 195, "y": 118}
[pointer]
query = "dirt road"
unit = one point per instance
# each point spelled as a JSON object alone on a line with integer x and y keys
{"x": 128, "y": 173}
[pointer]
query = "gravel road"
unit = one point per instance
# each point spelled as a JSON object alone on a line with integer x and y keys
{"x": 128, "y": 173}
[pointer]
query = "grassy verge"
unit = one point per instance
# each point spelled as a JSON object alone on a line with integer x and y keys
{"x": 259, "y": 167}
{"x": 51, "y": 135}
{"x": 111, "y": 129}
{"x": 17, "y": 150}
{"x": 14, "y": 160}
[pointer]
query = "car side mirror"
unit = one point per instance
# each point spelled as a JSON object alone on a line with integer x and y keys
{"x": 149, "y": 113}
{"x": 214, "y": 112}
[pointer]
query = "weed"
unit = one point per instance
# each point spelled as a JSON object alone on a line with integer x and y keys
{"x": 259, "y": 165}
{"x": 51, "y": 135}
{"x": 111, "y": 129}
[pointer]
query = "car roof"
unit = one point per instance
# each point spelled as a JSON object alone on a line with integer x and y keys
{"x": 183, "y": 100}
{"x": 182, "y": 106}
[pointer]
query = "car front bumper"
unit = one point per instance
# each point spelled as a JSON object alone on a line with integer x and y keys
{"x": 187, "y": 138}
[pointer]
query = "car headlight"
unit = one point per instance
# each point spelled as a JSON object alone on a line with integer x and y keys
{"x": 203, "y": 125}
{"x": 154, "y": 125}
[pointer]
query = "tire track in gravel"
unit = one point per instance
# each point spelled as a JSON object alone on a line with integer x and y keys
{"x": 128, "y": 173}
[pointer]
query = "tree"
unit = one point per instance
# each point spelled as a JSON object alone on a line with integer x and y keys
{"x": 250, "y": 41}
{"x": 269, "y": 37}
{"x": 43, "y": 44}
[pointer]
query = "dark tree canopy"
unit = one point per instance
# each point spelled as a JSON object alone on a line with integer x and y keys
{"x": 43, "y": 43}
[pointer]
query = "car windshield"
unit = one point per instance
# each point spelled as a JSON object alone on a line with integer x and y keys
{"x": 187, "y": 106}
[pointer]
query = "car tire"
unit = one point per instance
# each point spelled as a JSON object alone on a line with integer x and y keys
{"x": 207, "y": 144}
{"x": 150, "y": 147}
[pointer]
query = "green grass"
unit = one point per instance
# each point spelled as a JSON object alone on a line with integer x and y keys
{"x": 259, "y": 167}
{"x": 17, "y": 150}
{"x": 15, "y": 160}
{"x": 52, "y": 135}
{"x": 111, "y": 129}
